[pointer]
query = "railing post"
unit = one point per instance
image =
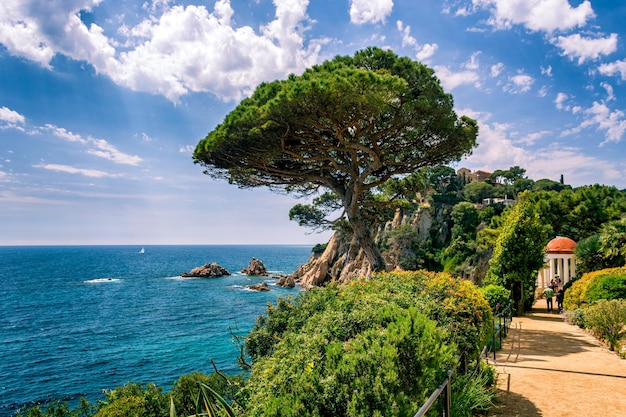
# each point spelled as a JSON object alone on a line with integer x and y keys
{"x": 448, "y": 396}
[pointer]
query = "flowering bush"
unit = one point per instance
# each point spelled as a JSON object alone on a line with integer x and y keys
{"x": 365, "y": 348}
{"x": 607, "y": 320}
{"x": 577, "y": 295}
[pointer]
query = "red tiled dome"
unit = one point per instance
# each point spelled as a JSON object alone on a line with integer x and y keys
{"x": 561, "y": 244}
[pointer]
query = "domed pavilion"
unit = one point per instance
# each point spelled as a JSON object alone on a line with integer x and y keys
{"x": 559, "y": 262}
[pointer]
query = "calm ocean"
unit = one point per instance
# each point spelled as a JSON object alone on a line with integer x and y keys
{"x": 77, "y": 320}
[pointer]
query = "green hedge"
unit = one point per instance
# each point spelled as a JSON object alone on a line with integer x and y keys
{"x": 368, "y": 348}
{"x": 605, "y": 284}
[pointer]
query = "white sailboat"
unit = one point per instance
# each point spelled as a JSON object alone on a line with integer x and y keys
{"x": 142, "y": 250}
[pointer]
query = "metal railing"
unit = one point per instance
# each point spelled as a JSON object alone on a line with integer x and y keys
{"x": 443, "y": 388}
{"x": 501, "y": 324}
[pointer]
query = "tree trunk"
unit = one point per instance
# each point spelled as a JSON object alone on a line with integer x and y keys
{"x": 362, "y": 239}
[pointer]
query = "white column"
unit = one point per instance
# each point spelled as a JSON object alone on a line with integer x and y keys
{"x": 551, "y": 269}
{"x": 573, "y": 266}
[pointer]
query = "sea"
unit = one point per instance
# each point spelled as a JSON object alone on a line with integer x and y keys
{"x": 77, "y": 320}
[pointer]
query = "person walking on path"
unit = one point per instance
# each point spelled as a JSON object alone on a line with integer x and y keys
{"x": 559, "y": 299}
{"x": 549, "y": 293}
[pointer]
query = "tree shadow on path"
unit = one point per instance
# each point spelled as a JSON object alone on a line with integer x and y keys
{"x": 510, "y": 404}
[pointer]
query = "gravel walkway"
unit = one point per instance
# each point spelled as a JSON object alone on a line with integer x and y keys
{"x": 548, "y": 367}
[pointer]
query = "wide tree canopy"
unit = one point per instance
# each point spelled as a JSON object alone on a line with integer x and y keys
{"x": 346, "y": 126}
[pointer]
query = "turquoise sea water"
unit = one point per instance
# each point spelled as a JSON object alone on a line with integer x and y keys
{"x": 77, "y": 320}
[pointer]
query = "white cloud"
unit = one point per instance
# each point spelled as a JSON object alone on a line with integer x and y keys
{"x": 97, "y": 147}
{"x": 174, "y": 50}
{"x": 92, "y": 173}
{"x": 450, "y": 80}
{"x": 614, "y": 68}
{"x": 613, "y": 123}
{"x": 610, "y": 94}
{"x": 426, "y": 51}
{"x": 498, "y": 148}
{"x": 188, "y": 149}
{"x": 422, "y": 52}
{"x": 559, "y": 100}
{"x": 472, "y": 64}
{"x": 497, "y": 69}
{"x": 546, "y": 71}
{"x": 576, "y": 46}
{"x": 520, "y": 83}
{"x": 537, "y": 15}
{"x": 369, "y": 11}
{"x": 11, "y": 117}
{"x": 36, "y": 30}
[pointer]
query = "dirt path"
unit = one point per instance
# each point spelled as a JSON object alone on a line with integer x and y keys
{"x": 548, "y": 367}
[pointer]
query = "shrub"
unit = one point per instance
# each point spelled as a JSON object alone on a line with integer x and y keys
{"x": 185, "y": 389}
{"x": 576, "y": 296}
{"x": 134, "y": 399}
{"x": 319, "y": 248}
{"x": 576, "y": 317}
{"x": 497, "y": 296}
{"x": 57, "y": 409}
{"x": 607, "y": 287}
{"x": 607, "y": 320}
{"x": 473, "y": 392}
{"x": 386, "y": 369}
{"x": 369, "y": 347}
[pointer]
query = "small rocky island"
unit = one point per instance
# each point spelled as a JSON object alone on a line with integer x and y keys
{"x": 259, "y": 287}
{"x": 207, "y": 270}
{"x": 255, "y": 267}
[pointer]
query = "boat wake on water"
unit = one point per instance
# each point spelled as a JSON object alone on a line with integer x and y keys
{"x": 100, "y": 280}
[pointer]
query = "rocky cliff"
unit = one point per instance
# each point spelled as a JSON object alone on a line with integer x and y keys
{"x": 426, "y": 226}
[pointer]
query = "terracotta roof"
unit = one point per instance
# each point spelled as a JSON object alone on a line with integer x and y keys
{"x": 561, "y": 244}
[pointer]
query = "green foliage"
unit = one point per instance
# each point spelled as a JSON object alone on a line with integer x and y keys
{"x": 604, "y": 284}
{"x": 519, "y": 253}
{"x": 319, "y": 248}
{"x": 613, "y": 242}
{"x": 473, "y": 393}
{"x": 548, "y": 185}
{"x": 365, "y": 348}
{"x": 185, "y": 390}
{"x": 588, "y": 255}
{"x": 607, "y": 320}
{"x": 134, "y": 399}
{"x": 57, "y": 409}
{"x": 607, "y": 287}
{"x": 476, "y": 191}
{"x": 315, "y": 215}
{"x": 346, "y": 126}
{"x": 465, "y": 220}
{"x": 497, "y": 296}
{"x": 576, "y": 317}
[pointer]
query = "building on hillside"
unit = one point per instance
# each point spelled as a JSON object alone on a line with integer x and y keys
{"x": 470, "y": 176}
{"x": 559, "y": 262}
{"x": 493, "y": 200}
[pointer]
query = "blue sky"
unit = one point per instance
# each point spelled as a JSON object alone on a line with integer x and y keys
{"x": 102, "y": 102}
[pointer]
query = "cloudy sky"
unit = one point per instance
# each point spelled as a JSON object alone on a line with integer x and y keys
{"x": 102, "y": 102}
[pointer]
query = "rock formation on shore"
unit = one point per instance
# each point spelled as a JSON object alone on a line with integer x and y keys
{"x": 255, "y": 267}
{"x": 211, "y": 270}
{"x": 286, "y": 281}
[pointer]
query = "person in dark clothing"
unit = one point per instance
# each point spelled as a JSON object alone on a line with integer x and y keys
{"x": 559, "y": 299}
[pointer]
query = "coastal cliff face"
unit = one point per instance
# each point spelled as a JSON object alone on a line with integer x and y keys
{"x": 401, "y": 241}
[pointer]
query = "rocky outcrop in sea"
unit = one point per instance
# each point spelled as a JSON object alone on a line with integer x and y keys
{"x": 208, "y": 270}
{"x": 259, "y": 287}
{"x": 255, "y": 267}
